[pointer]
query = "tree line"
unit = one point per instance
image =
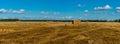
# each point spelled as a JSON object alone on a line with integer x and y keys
{"x": 118, "y": 20}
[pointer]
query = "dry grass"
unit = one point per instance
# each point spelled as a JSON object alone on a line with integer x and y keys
{"x": 59, "y": 33}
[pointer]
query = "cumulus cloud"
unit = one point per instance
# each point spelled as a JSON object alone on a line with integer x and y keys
{"x": 16, "y": 12}
{"x": 21, "y": 11}
{"x": 53, "y": 13}
{"x": 79, "y": 5}
{"x": 45, "y": 17}
{"x": 118, "y": 9}
{"x": 107, "y": 7}
{"x": 43, "y": 12}
{"x": 56, "y": 13}
{"x": 86, "y": 11}
{"x": 3, "y": 10}
{"x": 69, "y": 17}
{"x": 86, "y": 14}
{"x": 10, "y": 10}
{"x": 5, "y": 18}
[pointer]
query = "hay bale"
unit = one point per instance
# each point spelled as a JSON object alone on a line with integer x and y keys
{"x": 76, "y": 22}
{"x": 68, "y": 25}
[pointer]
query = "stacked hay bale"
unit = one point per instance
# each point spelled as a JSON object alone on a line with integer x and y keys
{"x": 76, "y": 22}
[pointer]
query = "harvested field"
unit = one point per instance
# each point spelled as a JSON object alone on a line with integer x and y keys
{"x": 59, "y": 33}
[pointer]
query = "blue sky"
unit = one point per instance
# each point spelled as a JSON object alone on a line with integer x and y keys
{"x": 60, "y": 9}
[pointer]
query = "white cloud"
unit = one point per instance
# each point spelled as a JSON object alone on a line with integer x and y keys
{"x": 80, "y": 18}
{"x": 86, "y": 11}
{"x": 79, "y": 5}
{"x": 45, "y": 17}
{"x": 86, "y": 14}
{"x": 14, "y": 11}
{"x": 43, "y": 12}
{"x": 21, "y": 11}
{"x": 62, "y": 17}
{"x": 10, "y": 10}
{"x": 3, "y": 10}
{"x": 53, "y": 13}
{"x": 5, "y": 18}
{"x": 118, "y": 9}
{"x": 69, "y": 17}
{"x": 107, "y": 7}
{"x": 56, "y": 13}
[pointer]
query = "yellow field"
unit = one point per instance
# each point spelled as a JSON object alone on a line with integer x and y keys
{"x": 59, "y": 33}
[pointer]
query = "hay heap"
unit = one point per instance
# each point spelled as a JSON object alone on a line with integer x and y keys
{"x": 76, "y": 22}
{"x": 73, "y": 24}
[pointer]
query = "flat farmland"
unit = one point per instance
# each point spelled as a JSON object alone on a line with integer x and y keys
{"x": 59, "y": 33}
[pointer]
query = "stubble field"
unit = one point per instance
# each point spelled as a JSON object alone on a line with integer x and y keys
{"x": 59, "y": 33}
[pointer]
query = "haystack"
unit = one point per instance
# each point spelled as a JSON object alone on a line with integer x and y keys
{"x": 76, "y": 22}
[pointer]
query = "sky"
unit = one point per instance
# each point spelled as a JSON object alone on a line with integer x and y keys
{"x": 60, "y": 9}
